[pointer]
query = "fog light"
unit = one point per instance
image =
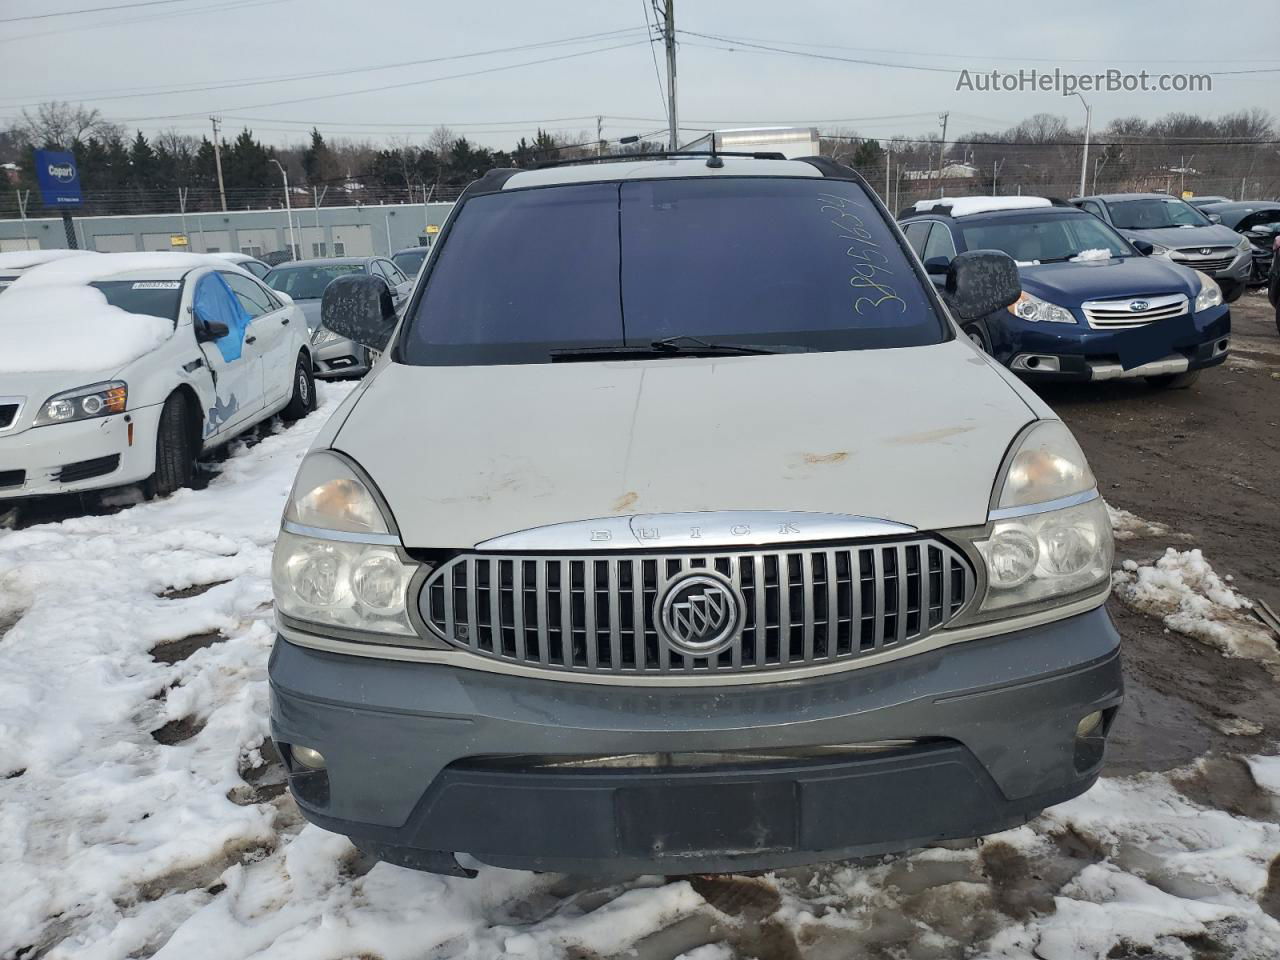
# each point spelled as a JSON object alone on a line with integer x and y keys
{"x": 311, "y": 759}
{"x": 1087, "y": 726}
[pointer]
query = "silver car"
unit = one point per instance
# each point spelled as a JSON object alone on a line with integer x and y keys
{"x": 305, "y": 281}
{"x": 1179, "y": 231}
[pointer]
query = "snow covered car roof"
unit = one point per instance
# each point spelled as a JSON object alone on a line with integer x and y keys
{"x": 82, "y": 271}
{"x": 26, "y": 259}
{"x": 968, "y": 206}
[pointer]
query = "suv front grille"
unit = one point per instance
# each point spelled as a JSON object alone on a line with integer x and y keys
{"x": 1111, "y": 314}
{"x": 599, "y": 613}
{"x": 1218, "y": 258}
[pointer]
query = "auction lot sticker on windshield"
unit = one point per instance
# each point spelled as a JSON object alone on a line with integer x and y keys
{"x": 158, "y": 285}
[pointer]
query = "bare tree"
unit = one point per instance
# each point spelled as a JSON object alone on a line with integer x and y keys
{"x": 440, "y": 142}
{"x": 60, "y": 124}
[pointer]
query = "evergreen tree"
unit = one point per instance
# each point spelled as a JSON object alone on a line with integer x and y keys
{"x": 142, "y": 164}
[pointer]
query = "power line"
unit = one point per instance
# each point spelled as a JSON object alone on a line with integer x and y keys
{"x": 287, "y": 78}
{"x": 816, "y": 56}
{"x": 390, "y": 86}
{"x": 72, "y": 13}
{"x": 149, "y": 18}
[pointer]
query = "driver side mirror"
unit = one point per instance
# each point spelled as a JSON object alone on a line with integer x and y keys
{"x": 360, "y": 308}
{"x": 980, "y": 282}
{"x": 936, "y": 265}
{"x": 1144, "y": 247}
{"x": 207, "y": 331}
{"x": 1213, "y": 218}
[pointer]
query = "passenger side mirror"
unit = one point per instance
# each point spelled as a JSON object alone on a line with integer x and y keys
{"x": 1144, "y": 247}
{"x": 936, "y": 265}
{"x": 980, "y": 282}
{"x": 360, "y": 308}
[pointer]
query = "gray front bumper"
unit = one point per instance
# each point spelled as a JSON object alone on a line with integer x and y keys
{"x": 407, "y": 744}
{"x": 340, "y": 358}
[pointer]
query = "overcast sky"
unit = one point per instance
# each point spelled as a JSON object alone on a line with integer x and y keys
{"x": 149, "y": 52}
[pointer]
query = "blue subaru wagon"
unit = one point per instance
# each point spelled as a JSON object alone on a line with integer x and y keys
{"x": 1093, "y": 307}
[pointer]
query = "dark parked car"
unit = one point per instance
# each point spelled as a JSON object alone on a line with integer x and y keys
{"x": 1259, "y": 222}
{"x": 305, "y": 281}
{"x": 1179, "y": 231}
{"x": 1092, "y": 306}
{"x": 411, "y": 259}
{"x": 1202, "y": 202}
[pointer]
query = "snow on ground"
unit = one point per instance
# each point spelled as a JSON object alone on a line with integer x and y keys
{"x": 140, "y": 813}
{"x": 1182, "y": 590}
{"x": 1126, "y": 526}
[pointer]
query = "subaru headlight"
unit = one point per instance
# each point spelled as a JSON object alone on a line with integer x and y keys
{"x": 1028, "y": 307}
{"x": 1210, "y": 294}
{"x": 1050, "y": 535}
{"x": 337, "y": 561}
{"x": 84, "y": 403}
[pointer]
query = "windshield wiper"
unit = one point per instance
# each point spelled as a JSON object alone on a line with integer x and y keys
{"x": 673, "y": 346}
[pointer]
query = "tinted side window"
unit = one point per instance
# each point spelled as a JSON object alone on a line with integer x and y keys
{"x": 251, "y": 296}
{"x": 940, "y": 243}
{"x": 916, "y": 232}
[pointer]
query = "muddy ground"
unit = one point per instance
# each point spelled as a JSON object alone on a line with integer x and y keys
{"x": 1206, "y": 463}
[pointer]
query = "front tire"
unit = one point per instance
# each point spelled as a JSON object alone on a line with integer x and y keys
{"x": 1232, "y": 291}
{"x": 175, "y": 453}
{"x": 1174, "y": 381}
{"x": 303, "y": 400}
{"x": 978, "y": 337}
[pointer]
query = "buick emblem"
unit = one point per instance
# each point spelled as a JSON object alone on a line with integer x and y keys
{"x": 700, "y": 613}
{"x": 1138, "y": 306}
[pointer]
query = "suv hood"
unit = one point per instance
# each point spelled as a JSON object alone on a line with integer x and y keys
{"x": 1069, "y": 284}
{"x": 463, "y": 454}
{"x": 1214, "y": 235}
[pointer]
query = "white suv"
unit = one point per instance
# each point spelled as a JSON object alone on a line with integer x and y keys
{"x": 680, "y": 531}
{"x": 117, "y": 368}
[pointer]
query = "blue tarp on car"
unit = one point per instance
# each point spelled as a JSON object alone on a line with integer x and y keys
{"x": 216, "y": 303}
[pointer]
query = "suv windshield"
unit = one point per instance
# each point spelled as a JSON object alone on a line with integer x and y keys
{"x": 804, "y": 264}
{"x": 308, "y": 282}
{"x": 1155, "y": 213}
{"x": 153, "y": 298}
{"x": 1045, "y": 239}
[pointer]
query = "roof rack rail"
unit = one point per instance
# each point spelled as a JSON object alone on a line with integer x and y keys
{"x": 660, "y": 155}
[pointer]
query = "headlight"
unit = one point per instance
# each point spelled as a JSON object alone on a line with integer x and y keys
{"x": 1036, "y": 310}
{"x": 336, "y": 561}
{"x": 84, "y": 403}
{"x": 1050, "y": 536}
{"x": 1043, "y": 556}
{"x": 1210, "y": 294}
{"x": 1158, "y": 251}
{"x": 1047, "y": 465}
{"x": 324, "y": 336}
{"x": 1244, "y": 245}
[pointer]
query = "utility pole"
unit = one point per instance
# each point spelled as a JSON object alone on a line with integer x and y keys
{"x": 182, "y": 205}
{"x": 318, "y": 198}
{"x": 1084, "y": 157}
{"x": 24, "y": 198}
{"x": 294, "y": 252}
{"x": 888, "y": 158}
{"x": 217, "y": 162}
{"x": 599, "y": 136}
{"x": 669, "y": 35}
{"x": 942, "y": 145}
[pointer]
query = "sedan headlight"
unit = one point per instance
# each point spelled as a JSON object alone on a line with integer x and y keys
{"x": 1028, "y": 307}
{"x": 1050, "y": 536}
{"x": 84, "y": 403}
{"x": 324, "y": 336}
{"x": 337, "y": 561}
{"x": 1210, "y": 294}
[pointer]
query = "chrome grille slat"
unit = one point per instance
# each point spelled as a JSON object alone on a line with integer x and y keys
{"x": 800, "y": 607}
{"x": 1117, "y": 314}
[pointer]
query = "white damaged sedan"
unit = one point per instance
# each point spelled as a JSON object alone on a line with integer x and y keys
{"x": 120, "y": 368}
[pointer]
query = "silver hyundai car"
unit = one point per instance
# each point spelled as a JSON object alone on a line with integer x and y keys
{"x": 680, "y": 530}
